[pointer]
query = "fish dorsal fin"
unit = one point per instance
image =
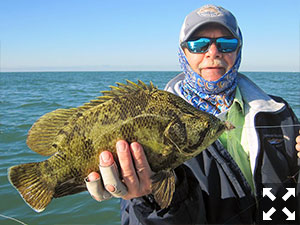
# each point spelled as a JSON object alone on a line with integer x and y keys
{"x": 42, "y": 134}
{"x": 124, "y": 89}
{"x": 163, "y": 187}
{"x": 117, "y": 91}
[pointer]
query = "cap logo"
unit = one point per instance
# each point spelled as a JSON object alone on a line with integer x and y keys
{"x": 210, "y": 11}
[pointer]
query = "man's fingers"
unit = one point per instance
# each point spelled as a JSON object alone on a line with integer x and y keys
{"x": 95, "y": 187}
{"x": 143, "y": 169}
{"x": 298, "y": 143}
{"x": 110, "y": 175}
{"x": 135, "y": 170}
{"x": 93, "y": 176}
{"x": 126, "y": 164}
{"x": 106, "y": 160}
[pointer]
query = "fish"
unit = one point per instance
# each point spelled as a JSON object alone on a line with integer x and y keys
{"x": 170, "y": 130}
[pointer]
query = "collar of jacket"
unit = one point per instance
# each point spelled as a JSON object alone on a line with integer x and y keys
{"x": 256, "y": 99}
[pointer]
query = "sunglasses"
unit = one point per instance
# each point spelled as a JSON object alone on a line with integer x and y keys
{"x": 201, "y": 45}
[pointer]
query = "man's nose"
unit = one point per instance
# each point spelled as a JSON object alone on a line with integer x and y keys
{"x": 213, "y": 52}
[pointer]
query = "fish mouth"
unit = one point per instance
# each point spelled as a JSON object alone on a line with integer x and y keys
{"x": 226, "y": 126}
{"x": 229, "y": 126}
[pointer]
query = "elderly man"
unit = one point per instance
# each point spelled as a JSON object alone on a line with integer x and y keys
{"x": 225, "y": 183}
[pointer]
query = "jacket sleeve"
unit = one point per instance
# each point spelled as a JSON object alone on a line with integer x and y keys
{"x": 290, "y": 142}
{"x": 187, "y": 206}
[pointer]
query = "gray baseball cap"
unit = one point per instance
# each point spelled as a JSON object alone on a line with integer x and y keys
{"x": 208, "y": 14}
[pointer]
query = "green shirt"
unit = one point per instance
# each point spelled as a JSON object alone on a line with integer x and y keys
{"x": 235, "y": 140}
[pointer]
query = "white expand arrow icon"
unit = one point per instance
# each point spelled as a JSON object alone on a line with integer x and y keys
{"x": 291, "y": 216}
{"x": 289, "y": 193}
{"x": 267, "y": 215}
{"x": 267, "y": 192}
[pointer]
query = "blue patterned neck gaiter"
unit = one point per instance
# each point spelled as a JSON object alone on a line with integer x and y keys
{"x": 211, "y": 96}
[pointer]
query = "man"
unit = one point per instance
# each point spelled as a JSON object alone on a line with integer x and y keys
{"x": 224, "y": 184}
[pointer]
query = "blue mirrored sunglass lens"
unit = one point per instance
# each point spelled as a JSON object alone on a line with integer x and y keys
{"x": 227, "y": 45}
{"x": 223, "y": 44}
{"x": 200, "y": 45}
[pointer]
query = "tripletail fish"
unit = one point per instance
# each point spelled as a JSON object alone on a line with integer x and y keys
{"x": 170, "y": 130}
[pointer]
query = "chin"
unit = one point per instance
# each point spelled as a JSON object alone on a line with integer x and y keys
{"x": 212, "y": 74}
{"x": 213, "y": 77}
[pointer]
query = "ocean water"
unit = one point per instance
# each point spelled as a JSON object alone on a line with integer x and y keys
{"x": 24, "y": 97}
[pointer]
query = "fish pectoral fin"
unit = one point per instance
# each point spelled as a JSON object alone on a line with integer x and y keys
{"x": 36, "y": 191}
{"x": 42, "y": 134}
{"x": 163, "y": 187}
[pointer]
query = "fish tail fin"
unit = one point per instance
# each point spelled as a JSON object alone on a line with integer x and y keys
{"x": 32, "y": 186}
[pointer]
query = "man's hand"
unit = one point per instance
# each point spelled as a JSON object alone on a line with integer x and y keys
{"x": 298, "y": 144}
{"x": 135, "y": 174}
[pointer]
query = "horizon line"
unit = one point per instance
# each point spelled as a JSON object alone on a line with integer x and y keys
{"x": 72, "y": 71}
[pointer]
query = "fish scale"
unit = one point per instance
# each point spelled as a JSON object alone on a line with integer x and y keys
{"x": 170, "y": 130}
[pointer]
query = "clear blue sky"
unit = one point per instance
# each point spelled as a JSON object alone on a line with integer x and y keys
{"x": 73, "y": 35}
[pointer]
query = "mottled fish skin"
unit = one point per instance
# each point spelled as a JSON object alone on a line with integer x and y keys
{"x": 170, "y": 130}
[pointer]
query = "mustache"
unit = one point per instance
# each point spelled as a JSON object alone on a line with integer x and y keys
{"x": 213, "y": 63}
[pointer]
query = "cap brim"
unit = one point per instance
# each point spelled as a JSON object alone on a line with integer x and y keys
{"x": 190, "y": 32}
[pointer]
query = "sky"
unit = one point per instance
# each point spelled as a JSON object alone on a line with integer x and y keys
{"x": 131, "y": 35}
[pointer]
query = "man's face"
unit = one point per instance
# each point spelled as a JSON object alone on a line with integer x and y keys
{"x": 212, "y": 64}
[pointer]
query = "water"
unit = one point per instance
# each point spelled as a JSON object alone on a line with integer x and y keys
{"x": 24, "y": 97}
